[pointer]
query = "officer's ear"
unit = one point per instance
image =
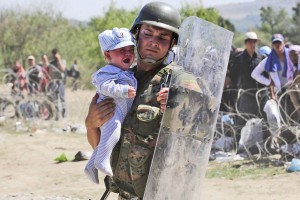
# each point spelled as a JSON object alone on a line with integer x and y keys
{"x": 174, "y": 42}
{"x": 137, "y": 33}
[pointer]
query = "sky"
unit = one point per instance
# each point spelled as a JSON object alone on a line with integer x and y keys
{"x": 85, "y": 9}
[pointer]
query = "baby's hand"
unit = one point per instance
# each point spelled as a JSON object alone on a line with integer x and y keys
{"x": 131, "y": 92}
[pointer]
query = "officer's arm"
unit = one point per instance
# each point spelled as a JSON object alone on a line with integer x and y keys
{"x": 93, "y": 137}
{"x": 97, "y": 115}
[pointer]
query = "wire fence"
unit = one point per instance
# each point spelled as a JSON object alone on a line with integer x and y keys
{"x": 29, "y": 96}
{"x": 273, "y": 130}
{"x": 262, "y": 135}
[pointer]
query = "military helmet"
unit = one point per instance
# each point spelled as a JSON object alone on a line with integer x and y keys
{"x": 158, "y": 14}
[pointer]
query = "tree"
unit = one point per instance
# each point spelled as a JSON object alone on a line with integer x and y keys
{"x": 274, "y": 22}
{"x": 209, "y": 14}
{"x": 38, "y": 30}
{"x": 271, "y": 22}
{"x": 36, "y": 33}
{"x": 294, "y": 31}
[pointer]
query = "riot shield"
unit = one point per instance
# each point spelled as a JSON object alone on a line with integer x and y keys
{"x": 181, "y": 155}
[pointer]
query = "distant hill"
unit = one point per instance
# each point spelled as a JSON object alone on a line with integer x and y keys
{"x": 247, "y": 14}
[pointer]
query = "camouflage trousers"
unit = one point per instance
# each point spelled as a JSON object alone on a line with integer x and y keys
{"x": 127, "y": 196}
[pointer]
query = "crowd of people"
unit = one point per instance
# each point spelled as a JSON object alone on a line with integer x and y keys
{"x": 250, "y": 70}
{"x": 263, "y": 85}
{"x": 46, "y": 78}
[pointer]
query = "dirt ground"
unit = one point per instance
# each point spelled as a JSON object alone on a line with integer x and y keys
{"x": 29, "y": 172}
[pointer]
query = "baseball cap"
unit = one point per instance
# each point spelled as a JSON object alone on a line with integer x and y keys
{"x": 251, "y": 36}
{"x": 30, "y": 58}
{"x": 277, "y": 37}
{"x": 115, "y": 39}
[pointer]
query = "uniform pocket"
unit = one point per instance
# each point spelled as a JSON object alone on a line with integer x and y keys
{"x": 148, "y": 120}
{"x": 138, "y": 155}
{"x": 139, "y": 160}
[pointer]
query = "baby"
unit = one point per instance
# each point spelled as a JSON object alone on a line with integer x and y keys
{"x": 115, "y": 81}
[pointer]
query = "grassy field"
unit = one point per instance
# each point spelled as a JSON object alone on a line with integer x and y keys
{"x": 246, "y": 168}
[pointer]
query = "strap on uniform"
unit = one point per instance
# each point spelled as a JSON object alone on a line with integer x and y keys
{"x": 165, "y": 74}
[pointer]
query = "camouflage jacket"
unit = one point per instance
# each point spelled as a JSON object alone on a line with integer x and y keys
{"x": 133, "y": 154}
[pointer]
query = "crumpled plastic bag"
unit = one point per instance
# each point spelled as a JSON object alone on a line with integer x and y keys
{"x": 294, "y": 166}
{"x": 251, "y": 133}
{"x": 273, "y": 116}
{"x": 227, "y": 119}
{"x": 225, "y": 144}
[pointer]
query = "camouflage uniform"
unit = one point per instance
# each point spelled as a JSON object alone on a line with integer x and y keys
{"x": 132, "y": 156}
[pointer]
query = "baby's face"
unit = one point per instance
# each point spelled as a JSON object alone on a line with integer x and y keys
{"x": 122, "y": 57}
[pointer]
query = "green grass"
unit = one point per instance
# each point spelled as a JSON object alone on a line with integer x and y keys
{"x": 238, "y": 169}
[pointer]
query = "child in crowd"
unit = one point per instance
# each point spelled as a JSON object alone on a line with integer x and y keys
{"x": 115, "y": 81}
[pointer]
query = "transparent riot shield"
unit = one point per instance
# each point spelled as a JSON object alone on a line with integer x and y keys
{"x": 182, "y": 151}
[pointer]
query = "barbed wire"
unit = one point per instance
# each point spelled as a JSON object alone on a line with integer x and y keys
{"x": 33, "y": 101}
{"x": 274, "y": 142}
{"x": 32, "y": 98}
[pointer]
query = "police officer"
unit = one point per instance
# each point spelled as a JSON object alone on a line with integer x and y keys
{"x": 156, "y": 31}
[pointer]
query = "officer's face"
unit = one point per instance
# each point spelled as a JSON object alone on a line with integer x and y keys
{"x": 154, "y": 42}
